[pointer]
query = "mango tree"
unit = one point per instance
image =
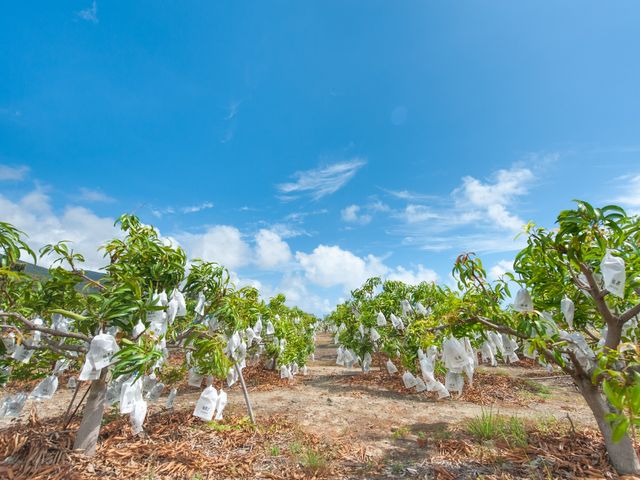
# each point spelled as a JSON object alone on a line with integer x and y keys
{"x": 577, "y": 310}
{"x": 122, "y": 326}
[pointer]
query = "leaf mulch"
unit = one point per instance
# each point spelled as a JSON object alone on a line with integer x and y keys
{"x": 487, "y": 388}
{"x": 552, "y": 453}
{"x": 176, "y": 445}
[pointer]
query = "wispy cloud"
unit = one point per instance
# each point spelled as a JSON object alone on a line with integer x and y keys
{"x": 629, "y": 193}
{"x": 234, "y": 108}
{"x": 352, "y": 214}
{"x": 322, "y": 181}
{"x": 161, "y": 212}
{"x": 410, "y": 196}
{"x": 8, "y": 172}
{"x": 90, "y": 195}
{"x": 479, "y": 215}
{"x": 89, "y": 14}
{"x": 197, "y": 208}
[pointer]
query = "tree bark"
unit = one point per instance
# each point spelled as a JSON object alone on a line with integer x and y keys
{"x": 622, "y": 454}
{"x": 89, "y": 430}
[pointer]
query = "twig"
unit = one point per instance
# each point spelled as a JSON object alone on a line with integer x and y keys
{"x": 49, "y": 331}
{"x": 66, "y": 425}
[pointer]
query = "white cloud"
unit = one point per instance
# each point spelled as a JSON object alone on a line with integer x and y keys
{"x": 271, "y": 250}
{"x": 298, "y": 294}
{"x": 90, "y": 195}
{"x": 630, "y": 193}
{"x": 90, "y": 14}
{"x": 352, "y": 214}
{"x": 418, "y": 213}
{"x": 221, "y": 243}
{"x": 197, "y": 208}
{"x": 477, "y": 216}
{"x": 13, "y": 173}
{"x": 410, "y": 196}
{"x": 34, "y": 215}
{"x": 329, "y": 266}
{"x": 500, "y": 268}
{"x": 422, "y": 274}
{"x": 321, "y": 181}
{"x": 495, "y": 196}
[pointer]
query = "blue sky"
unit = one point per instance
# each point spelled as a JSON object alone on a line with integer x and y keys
{"x": 309, "y": 145}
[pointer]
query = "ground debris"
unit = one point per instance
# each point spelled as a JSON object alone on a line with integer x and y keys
{"x": 176, "y": 445}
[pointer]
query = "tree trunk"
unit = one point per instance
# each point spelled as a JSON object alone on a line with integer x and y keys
{"x": 87, "y": 436}
{"x": 622, "y": 454}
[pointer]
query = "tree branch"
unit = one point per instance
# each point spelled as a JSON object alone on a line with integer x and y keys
{"x": 499, "y": 328}
{"x": 51, "y": 346}
{"x": 629, "y": 314}
{"x": 49, "y": 331}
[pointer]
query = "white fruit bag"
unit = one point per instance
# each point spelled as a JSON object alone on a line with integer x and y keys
{"x": 21, "y": 354}
{"x": 206, "y": 404}
{"x": 102, "y": 348}
{"x": 195, "y": 378}
{"x": 37, "y": 335}
{"x": 172, "y": 311}
{"x": 420, "y": 385}
{"x": 171, "y": 398}
{"x": 137, "y": 416}
{"x": 13, "y": 405}
{"x": 454, "y": 382}
{"x": 366, "y": 362}
{"x": 340, "y": 357}
{"x": 510, "y": 347}
{"x": 157, "y": 319}
{"x": 257, "y": 328}
{"x": 613, "y": 274}
{"x": 60, "y": 323}
{"x": 375, "y": 336}
{"x": 523, "y": 301}
{"x": 232, "y": 377}
{"x": 441, "y": 390}
{"x": 568, "y": 310}
{"x": 45, "y": 389}
{"x": 138, "y": 329}
{"x": 487, "y": 354}
{"x": 285, "y": 372}
{"x": 409, "y": 380}
{"x": 88, "y": 372}
{"x": 200, "y": 306}
{"x": 114, "y": 390}
{"x": 9, "y": 343}
{"x": 380, "y": 320}
{"x": 496, "y": 342}
{"x": 72, "y": 383}
{"x": 270, "y": 329}
{"x": 154, "y": 394}
{"x": 406, "y": 308}
{"x": 454, "y": 355}
{"x": 178, "y": 297}
{"x": 250, "y": 335}
{"x": 130, "y": 393}
{"x": 420, "y": 309}
{"x": 61, "y": 366}
{"x": 220, "y": 404}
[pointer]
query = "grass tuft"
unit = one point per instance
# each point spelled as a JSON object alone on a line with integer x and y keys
{"x": 492, "y": 426}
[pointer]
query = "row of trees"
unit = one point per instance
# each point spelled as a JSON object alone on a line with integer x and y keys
{"x": 576, "y": 307}
{"x": 122, "y": 327}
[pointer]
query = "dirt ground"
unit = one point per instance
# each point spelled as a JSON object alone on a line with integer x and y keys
{"x": 327, "y": 403}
